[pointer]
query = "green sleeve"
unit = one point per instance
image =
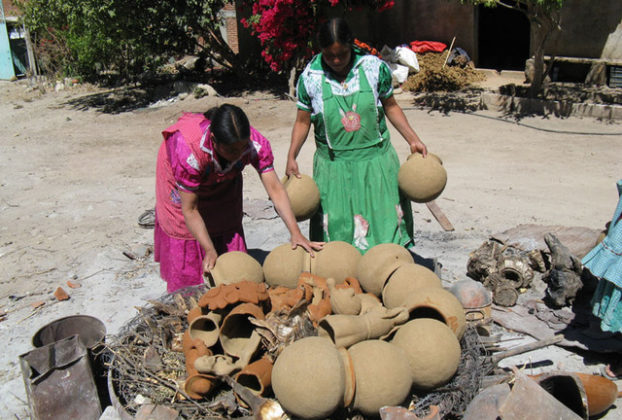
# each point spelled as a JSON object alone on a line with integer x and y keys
{"x": 304, "y": 101}
{"x": 385, "y": 82}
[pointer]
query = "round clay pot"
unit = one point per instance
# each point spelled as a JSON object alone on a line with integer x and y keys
{"x": 377, "y": 265}
{"x": 283, "y": 265}
{"x": 308, "y": 378}
{"x": 205, "y": 328}
{"x": 382, "y": 375}
{"x": 405, "y": 280}
{"x": 304, "y": 195}
{"x": 433, "y": 351}
{"x": 437, "y": 303}
{"x": 236, "y": 266}
{"x": 336, "y": 260}
{"x": 422, "y": 179}
{"x": 236, "y": 329}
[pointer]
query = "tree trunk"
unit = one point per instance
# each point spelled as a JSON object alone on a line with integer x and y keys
{"x": 544, "y": 23}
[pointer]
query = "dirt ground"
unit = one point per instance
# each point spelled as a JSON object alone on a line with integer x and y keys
{"x": 75, "y": 177}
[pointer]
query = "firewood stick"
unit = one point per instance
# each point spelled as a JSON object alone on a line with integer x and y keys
{"x": 449, "y": 52}
{"x": 527, "y": 347}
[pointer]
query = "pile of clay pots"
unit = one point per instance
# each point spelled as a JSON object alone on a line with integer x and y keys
{"x": 382, "y": 325}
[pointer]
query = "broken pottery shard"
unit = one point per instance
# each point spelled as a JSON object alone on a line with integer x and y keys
{"x": 60, "y": 294}
{"x": 485, "y": 405}
{"x": 528, "y": 400}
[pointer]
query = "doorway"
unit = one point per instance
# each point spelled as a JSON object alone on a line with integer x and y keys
{"x": 503, "y": 38}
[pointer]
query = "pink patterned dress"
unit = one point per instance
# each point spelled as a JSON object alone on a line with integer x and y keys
{"x": 187, "y": 162}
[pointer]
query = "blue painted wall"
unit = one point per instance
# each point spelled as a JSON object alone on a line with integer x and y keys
{"x": 6, "y": 60}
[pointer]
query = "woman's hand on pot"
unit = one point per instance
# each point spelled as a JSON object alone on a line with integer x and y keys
{"x": 209, "y": 261}
{"x": 309, "y": 246}
{"x": 417, "y": 146}
{"x": 292, "y": 168}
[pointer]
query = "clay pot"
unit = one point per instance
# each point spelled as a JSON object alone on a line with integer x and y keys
{"x": 422, "y": 179}
{"x": 377, "y": 265}
{"x": 236, "y": 266}
{"x": 256, "y": 376}
{"x": 601, "y": 392}
{"x": 197, "y": 386}
{"x": 236, "y": 329}
{"x": 343, "y": 301}
{"x": 474, "y": 298}
{"x": 196, "y": 349}
{"x": 304, "y": 195}
{"x": 382, "y": 375}
{"x": 433, "y": 351}
{"x": 346, "y": 330}
{"x": 438, "y": 304}
{"x": 205, "y": 328}
{"x": 336, "y": 260}
{"x": 405, "y": 280}
{"x": 308, "y": 378}
{"x": 283, "y": 265}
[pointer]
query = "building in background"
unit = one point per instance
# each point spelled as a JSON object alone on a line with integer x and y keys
{"x": 16, "y": 53}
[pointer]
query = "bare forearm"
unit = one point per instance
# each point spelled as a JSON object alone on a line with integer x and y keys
{"x": 197, "y": 227}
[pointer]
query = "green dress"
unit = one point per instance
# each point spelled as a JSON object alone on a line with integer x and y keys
{"x": 355, "y": 165}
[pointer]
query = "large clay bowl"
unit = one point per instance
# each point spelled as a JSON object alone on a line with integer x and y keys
{"x": 377, "y": 265}
{"x": 236, "y": 266}
{"x": 236, "y": 329}
{"x": 283, "y": 265}
{"x": 337, "y": 260}
{"x": 303, "y": 194}
{"x": 422, "y": 179}
{"x": 437, "y": 303}
{"x": 433, "y": 351}
{"x": 308, "y": 378}
{"x": 407, "y": 279}
{"x": 382, "y": 375}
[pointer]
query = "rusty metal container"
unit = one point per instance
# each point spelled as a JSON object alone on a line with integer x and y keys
{"x": 59, "y": 381}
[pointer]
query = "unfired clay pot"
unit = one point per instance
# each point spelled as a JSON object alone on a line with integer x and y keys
{"x": 206, "y": 328}
{"x": 382, "y": 375}
{"x": 308, "y": 378}
{"x": 405, "y": 280}
{"x": 303, "y": 194}
{"x": 437, "y": 303}
{"x": 377, "y": 265}
{"x": 283, "y": 265}
{"x": 236, "y": 329}
{"x": 343, "y": 301}
{"x": 236, "y": 266}
{"x": 193, "y": 313}
{"x": 336, "y": 260}
{"x": 433, "y": 351}
{"x": 422, "y": 179}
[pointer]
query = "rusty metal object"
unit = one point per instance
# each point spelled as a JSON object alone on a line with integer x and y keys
{"x": 59, "y": 381}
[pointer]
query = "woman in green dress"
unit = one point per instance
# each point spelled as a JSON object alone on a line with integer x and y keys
{"x": 346, "y": 95}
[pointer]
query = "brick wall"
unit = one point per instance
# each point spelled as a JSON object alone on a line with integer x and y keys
{"x": 231, "y": 27}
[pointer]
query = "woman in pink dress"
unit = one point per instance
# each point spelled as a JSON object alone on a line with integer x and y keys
{"x": 199, "y": 192}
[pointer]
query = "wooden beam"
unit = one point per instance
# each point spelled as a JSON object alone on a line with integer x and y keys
{"x": 439, "y": 216}
{"x": 584, "y": 60}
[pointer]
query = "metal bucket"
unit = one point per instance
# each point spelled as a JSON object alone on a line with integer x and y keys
{"x": 59, "y": 381}
{"x": 92, "y": 333}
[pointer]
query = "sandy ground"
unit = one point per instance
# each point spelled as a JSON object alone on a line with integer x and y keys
{"x": 74, "y": 180}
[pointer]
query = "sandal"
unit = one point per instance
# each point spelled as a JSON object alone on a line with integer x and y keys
{"x": 606, "y": 372}
{"x": 147, "y": 219}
